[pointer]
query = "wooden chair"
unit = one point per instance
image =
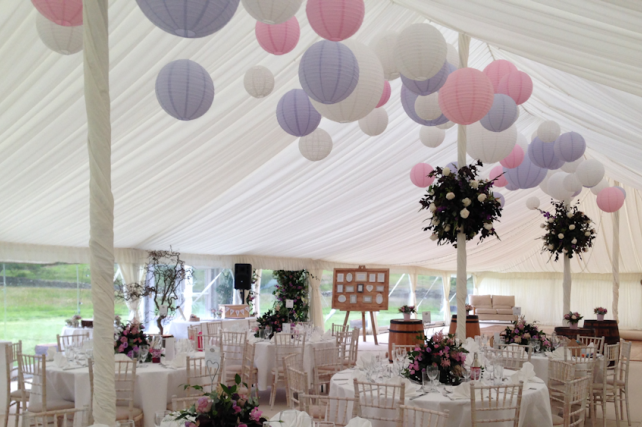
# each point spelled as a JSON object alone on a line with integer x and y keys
{"x": 376, "y": 397}
{"x": 33, "y": 375}
{"x": 60, "y": 418}
{"x": 65, "y": 341}
{"x": 598, "y": 342}
{"x": 125, "y": 383}
{"x": 338, "y": 328}
{"x": 249, "y": 372}
{"x": 622, "y": 378}
{"x": 183, "y": 403}
{"x": 495, "y": 399}
{"x": 606, "y": 391}
{"x": 571, "y": 402}
{"x": 233, "y": 350}
{"x": 348, "y": 343}
{"x": 325, "y": 363}
{"x": 285, "y": 345}
{"x": 513, "y": 356}
{"x": 198, "y": 373}
{"x": 211, "y": 328}
{"x": 296, "y": 381}
{"x": 14, "y": 397}
{"x": 16, "y": 349}
{"x": 559, "y": 373}
{"x": 411, "y": 416}
{"x": 338, "y": 410}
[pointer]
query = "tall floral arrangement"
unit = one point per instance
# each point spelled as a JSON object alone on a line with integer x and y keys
{"x": 292, "y": 285}
{"x": 522, "y": 333}
{"x": 568, "y": 231}
{"x": 129, "y": 337}
{"x": 439, "y": 350}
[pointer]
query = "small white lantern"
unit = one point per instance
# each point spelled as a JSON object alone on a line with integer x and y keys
{"x": 258, "y": 81}
{"x": 599, "y": 187}
{"x": 446, "y": 125}
{"x": 571, "y": 167}
{"x": 420, "y": 51}
{"x": 59, "y": 38}
{"x": 532, "y": 203}
{"x": 384, "y": 47}
{"x": 316, "y": 146}
{"x": 548, "y": 131}
{"x": 374, "y": 123}
{"x": 572, "y": 184}
{"x": 487, "y": 146}
{"x": 556, "y": 186}
{"x": 427, "y": 107}
{"x": 590, "y": 172}
{"x": 273, "y": 11}
{"x": 431, "y": 136}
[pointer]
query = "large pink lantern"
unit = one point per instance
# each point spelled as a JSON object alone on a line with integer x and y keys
{"x": 385, "y": 96}
{"x": 67, "y": 13}
{"x": 610, "y": 199}
{"x": 518, "y": 85}
{"x": 498, "y": 69}
{"x": 335, "y": 20}
{"x": 496, "y": 172}
{"x": 467, "y": 96}
{"x": 514, "y": 159}
{"x": 278, "y": 39}
{"x": 419, "y": 175}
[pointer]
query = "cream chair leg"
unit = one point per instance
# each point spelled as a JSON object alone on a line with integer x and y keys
{"x": 273, "y": 392}
{"x": 618, "y": 414}
{"x": 18, "y": 405}
{"x": 592, "y": 407}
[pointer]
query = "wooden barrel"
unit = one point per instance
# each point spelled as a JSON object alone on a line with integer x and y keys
{"x": 472, "y": 325}
{"x": 565, "y": 331}
{"x": 404, "y": 332}
{"x": 604, "y": 328}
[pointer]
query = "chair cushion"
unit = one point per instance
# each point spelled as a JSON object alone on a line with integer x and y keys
{"x": 503, "y": 301}
{"x": 486, "y": 311}
{"x": 17, "y": 395}
{"x": 52, "y": 405}
{"x": 317, "y": 411}
{"x": 480, "y": 301}
{"x": 505, "y": 311}
{"x": 122, "y": 412}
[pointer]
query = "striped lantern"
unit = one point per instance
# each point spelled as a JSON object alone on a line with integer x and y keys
{"x": 184, "y": 89}
{"x": 278, "y": 39}
{"x": 467, "y": 96}
{"x": 296, "y": 115}
{"x": 273, "y": 11}
{"x": 335, "y": 20}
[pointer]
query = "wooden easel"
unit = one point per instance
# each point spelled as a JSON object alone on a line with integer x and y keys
{"x": 363, "y": 324}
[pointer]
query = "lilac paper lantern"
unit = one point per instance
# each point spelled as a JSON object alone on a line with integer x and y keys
{"x": 328, "y": 72}
{"x": 408, "y": 99}
{"x": 502, "y": 114}
{"x": 511, "y": 187}
{"x": 184, "y": 89}
{"x": 542, "y": 154}
{"x": 452, "y": 166}
{"x": 189, "y": 18}
{"x": 432, "y": 85}
{"x": 526, "y": 175}
{"x": 296, "y": 115}
{"x": 499, "y": 196}
{"x": 570, "y": 146}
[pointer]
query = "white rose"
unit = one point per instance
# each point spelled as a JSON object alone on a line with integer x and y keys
{"x": 466, "y": 202}
{"x": 431, "y": 192}
{"x": 433, "y": 236}
{"x": 464, "y": 213}
{"x": 446, "y": 171}
{"x": 481, "y": 197}
{"x": 571, "y": 227}
{"x": 573, "y": 317}
{"x": 450, "y": 196}
{"x": 588, "y": 233}
{"x": 560, "y": 236}
{"x": 474, "y": 184}
{"x": 435, "y": 221}
{"x": 550, "y": 247}
{"x": 447, "y": 228}
{"x": 570, "y": 214}
{"x": 574, "y": 241}
{"x": 432, "y": 207}
{"x": 488, "y": 226}
{"x": 551, "y": 220}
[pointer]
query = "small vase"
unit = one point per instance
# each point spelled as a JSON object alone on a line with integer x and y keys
{"x": 600, "y": 317}
{"x": 406, "y": 316}
{"x": 575, "y": 326}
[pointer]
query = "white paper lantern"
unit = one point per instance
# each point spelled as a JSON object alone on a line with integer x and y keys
{"x": 452, "y": 55}
{"x": 59, "y": 38}
{"x": 374, "y": 123}
{"x": 590, "y": 172}
{"x": 273, "y": 11}
{"x": 316, "y": 146}
{"x": 571, "y": 167}
{"x": 258, "y": 81}
{"x": 487, "y": 146}
{"x": 548, "y": 131}
{"x": 544, "y": 184}
{"x": 384, "y": 47}
{"x": 532, "y": 203}
{"x": 431, "y": 136}
{"x": 572, "y": 184}
{"x": 446, "y": 125}
{"x": 420, "y": 51}
{"x": 427, "y": 107}
{"x": 599, "y": 187}
{"x": 365, "y": 97}
{"x": 556, "y": 186}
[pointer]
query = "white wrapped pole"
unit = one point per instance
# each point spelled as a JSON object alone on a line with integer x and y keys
{"x": 316, "y": 311}
{"x": 616, "y": 263}
{"x": 566, "y": 284}
{"x": 101, "y": 204}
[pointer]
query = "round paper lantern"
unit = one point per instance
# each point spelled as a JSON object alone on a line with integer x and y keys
{"x": 365, "y": 96}
{"x": 516, "y": 84}
{"x": 572, "y": 184}
{"x": 316, "y": 146}
{"x": 184, "y": 89}
{"x": 514, "y": 159}
{"x": 610, "y": 199}
{"x": 532, "y": 203}
{"x": 556, "y": 186}
{"x": 384, "y": 47}
{"x": 543, "y": 154}
{"x": 278, "y": 39}
{"x": 408, "y": 101}
{"x": 570, "y": 146}
{"x": 452, "y": 55}
{"x": 67, "y": 13}
{"x": 385, "y": 96}
{"x": 272, "y": 12}
{"x": 329, "y": 72}
{"x": 420, "y": 51}
{"x": 419, "y": 175}
{"x": 544, "y": 184}
{"x": 431, "y": 136}
{"x": 495, "y": 172}
{"x": 570, "y": 167}
{"x": 511, "y": 187}
{"x": 487, "y": 146}
{"x": 258, "y": 81}
{"x": 61, "y": 39}
{"x": 427, "y": 107}
{"x": 590, "y": 172}
{"x": 431, "y": 85}
{"x": 548, "y": 131}
{"x": 526, "y": 175}
{"x": 453, "y": 166}
{"x": 467, "y": 96}
{"x": 189, "y": 18}
{"x": 374, "y": 123}
{"x": 499, "y": 196}
{"x": 599, "y": 187}
{"x": 502, "y": 115}
{"x": 498, "y": 69}
{"x": 296, "y": 115}
{"x": 335, "y": 20}
{"x": 446, "y": 125}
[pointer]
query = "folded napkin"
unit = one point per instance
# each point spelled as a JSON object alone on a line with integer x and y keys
{"x": 359, "y": 422}
{"x": 292, "y": 418}
{"x": 462, "y": 391}
{"x": 526, "y": 374}
{"x": 558, "y": 354}
{"x": 365, "y": 359}
{"x": 60, "y": 360}
{"x": 51, "y": 353}
{"x": 120, "y": 357}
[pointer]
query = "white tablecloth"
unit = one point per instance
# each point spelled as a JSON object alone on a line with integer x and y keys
{"x": 535, "y": 410}
{"x": 540, "y": 365}
{"x": 178, "y": 328}
{"x": 68, "y": 330}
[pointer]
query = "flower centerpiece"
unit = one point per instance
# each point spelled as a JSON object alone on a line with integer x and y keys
{"x": 128, "y": 338}
{"x": 523, "y": 333}
{"x": 407, "y": 310}
{"x": 441, "y": 351}
{"x": 573, "y": 318}
{"x": 74, "y": 322}
{"x": 272, "y": 318}
{"x": 600, "y": 312}
{"x": 224, "y": 407}
{"x": 217, "y": 313}
{"x": 568, "y": 231}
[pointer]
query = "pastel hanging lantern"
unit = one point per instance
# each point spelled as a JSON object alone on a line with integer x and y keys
{"x": 532, "y": 203}
{"x": 335, "y": 20}
{"x": 296, "y": 115}
{"x": 189, "y": 18}
{"x": 385, "y": 96}
{"x": 556, "y": 186}
{"x": 431, "y": 136}
{"x": 572, "y": 184}
{"x": 452, "y": 55}
{"x": 570, "y": 167}
{"x": 408, "y": 101}
{"x": 498, "y": 172}
{"x": 570, "y": 146}
{"x": 511, "y": 187}
{"x": 543, "y": 154}
{"x": 374, "y": 123}
{"x": 67, "y": 13}
{"x": 590, "y": 172}
{"x": 384, "y": 47}
{"x": 258, "y": 81}
{"x": 427, "y": 107}
{"x": 316, "y": 146}
{"x": 502, "y": 115}
{"x": 278, "y": 39}
{"x": 498, "y": 69}
{"x": 548, "y": 131}
{"x": 487, "y": 146}
{"x": 446, "y": 125}
{"x": 453, "y": 166}
{"x": 610, "y": 199}
{"x": 273, "y": 11}
{"x": 419, "y": 175}
{"x": 420, "y": 51}
{"x": 467, "y": 96}
{"x": 184, "y": 89}
{"x": 516, "y": 84}
{"x": 514, "y": 159}
{"x": 599, "y": 187}
{"x": 329, "y": 72}
{"x": 499, "y": 196}
{"x": 61, "y": 39}
{"x": 526, "y": 175}
{"x": 431, "y": 85}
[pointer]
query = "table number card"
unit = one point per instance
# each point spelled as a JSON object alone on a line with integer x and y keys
{"x": 425, "y": 316}
{"x": 286, "y": 328}
{"x": 289, "y": 303}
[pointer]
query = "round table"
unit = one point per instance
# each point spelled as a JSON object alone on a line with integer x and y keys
{"x": 178, "y": 328}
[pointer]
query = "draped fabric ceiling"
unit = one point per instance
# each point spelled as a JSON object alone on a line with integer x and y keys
{"x": 232, "y": 186}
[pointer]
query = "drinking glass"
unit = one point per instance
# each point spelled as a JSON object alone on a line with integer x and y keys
{"x": 425, "y": 381}
{"x": 159, "y": 416}
{"x": 268, "y": 332}
{"x": 433, "y": 373}
{"x": 465, "y": 373}
{"x": 484, "y": 341}
{"x": 144, "y": 352}
{"x": 537, "y": 344}
{"x": 69, "y": 354}
{"x": 498, "y": 373}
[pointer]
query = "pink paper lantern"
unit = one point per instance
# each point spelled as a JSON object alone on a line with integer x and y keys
{"x": 278, "y": 39}
{"x": 498, "y": 69}
{"x": 419, "y": 175}
{"x": 67, "y": 13}
{"x": 385, "y": 96}
{"x": 494, "y": 173}
{"x": 514, "y": 159}
{"x": 335, "y": 20}
{"x": 467, "y": 96}
{"x": 518, "y": 85}
{"x": 610, "y": 199}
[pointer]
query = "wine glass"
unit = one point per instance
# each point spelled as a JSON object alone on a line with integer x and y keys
{"x": 425, "y": 380}
{"x": 465, "y": 374}
{"x": 268, "y": 331}
{"x": 537, "y": 344}
{"x": 144, "y": 352}
{"x": 159, "y": 416}
{"x": 433, "y": 373}
{"x": 69, "y": 354}
{"x": 498, "y": 372}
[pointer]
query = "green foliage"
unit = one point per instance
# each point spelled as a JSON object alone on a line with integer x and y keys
{"x": 292, "y": 285}
{"x": 568, "y": 231}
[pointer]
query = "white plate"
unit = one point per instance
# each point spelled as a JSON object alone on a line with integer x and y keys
{"x": 379, "y": 299}
{"x": 342, "y": 298}
{"x": 349, "y": 277}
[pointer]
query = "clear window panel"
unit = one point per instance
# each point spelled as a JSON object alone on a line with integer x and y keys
{"x": 430, "y": 296}
{"x": 268, "y": 286}
{"x": 453, "y": 291}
